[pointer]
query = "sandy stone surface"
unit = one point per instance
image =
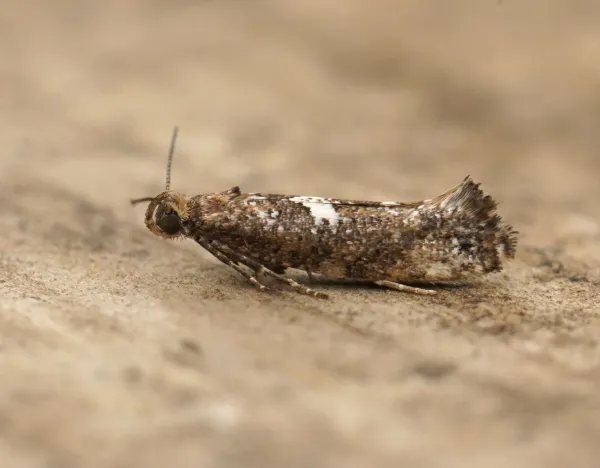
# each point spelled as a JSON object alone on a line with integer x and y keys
{"x": 119, "y": 349}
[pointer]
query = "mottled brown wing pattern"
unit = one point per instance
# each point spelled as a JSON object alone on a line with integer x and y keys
{"x": 456, "y": 236}
{"x": 453, "y": 237}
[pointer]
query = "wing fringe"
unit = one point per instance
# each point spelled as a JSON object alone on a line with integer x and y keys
{"x": 467, "y": 198}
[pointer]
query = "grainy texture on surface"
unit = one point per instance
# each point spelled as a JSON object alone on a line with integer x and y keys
{"x": 118, "y": 349}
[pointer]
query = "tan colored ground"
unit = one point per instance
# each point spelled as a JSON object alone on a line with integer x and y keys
{"x": 118, "y": 349}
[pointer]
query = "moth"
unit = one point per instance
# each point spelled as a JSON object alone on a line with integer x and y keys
{"x": 454, "y": 237}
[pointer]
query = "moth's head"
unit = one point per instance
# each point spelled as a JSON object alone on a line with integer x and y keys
{"x": 167, "y": 214}
{"x": 168, "y": 211}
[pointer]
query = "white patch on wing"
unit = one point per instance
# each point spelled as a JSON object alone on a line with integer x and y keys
{"x": 438, "y": 271}
{"x": 264, "y": 215}
{"x": 501, "y": 250}
{"x": 455, "y": 246}
{"x": 320, "y": 209}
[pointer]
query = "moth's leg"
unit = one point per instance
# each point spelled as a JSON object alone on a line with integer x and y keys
{"x": 231, "y": 263}
{"x": 405, "y": 288}
{"x": 259, "y": 268}
{"x": 279, "y": 269}
{"x": 289, "y": 281}
{"x": 311, "y": 278}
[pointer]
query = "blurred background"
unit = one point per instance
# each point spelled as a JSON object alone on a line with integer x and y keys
{"x": 383, "y": 98}
{"x": 364, "y": 99}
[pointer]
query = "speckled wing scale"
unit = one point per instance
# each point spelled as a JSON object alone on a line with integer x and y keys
{"x": 455, "y": 237}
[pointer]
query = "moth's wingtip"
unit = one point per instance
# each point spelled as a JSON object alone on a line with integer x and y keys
{"x": 468, "y": 181}
{"x": 511, "y": 241}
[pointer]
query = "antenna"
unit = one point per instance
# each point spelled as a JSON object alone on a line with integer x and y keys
{"x": 135, "y": 201}
{"x": 170, "y": 158}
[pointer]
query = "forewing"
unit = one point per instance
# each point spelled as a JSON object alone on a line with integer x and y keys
{"x": 331, "y": 201}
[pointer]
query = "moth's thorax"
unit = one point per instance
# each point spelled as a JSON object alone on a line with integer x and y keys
{"x": 166, "y": 215}
{"x": 203, "y": 207}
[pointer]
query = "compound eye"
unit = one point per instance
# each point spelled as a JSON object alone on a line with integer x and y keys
{"x": 169, "y": 223}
